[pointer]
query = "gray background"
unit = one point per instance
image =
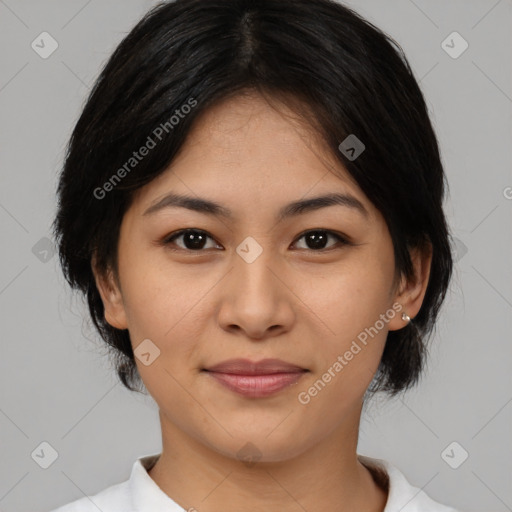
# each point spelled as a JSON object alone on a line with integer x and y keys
{"x": 56, "y": 385}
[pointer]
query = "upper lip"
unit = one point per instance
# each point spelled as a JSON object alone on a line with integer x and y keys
{"x": 248, "y": 367}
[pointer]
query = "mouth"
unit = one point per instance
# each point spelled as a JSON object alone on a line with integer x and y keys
{"x": 255, "y": 379}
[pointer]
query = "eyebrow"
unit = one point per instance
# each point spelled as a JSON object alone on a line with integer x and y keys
{"x": 300, "y": 207}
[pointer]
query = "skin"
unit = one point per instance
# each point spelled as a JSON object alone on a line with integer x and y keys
{"x": 295, "y": 302}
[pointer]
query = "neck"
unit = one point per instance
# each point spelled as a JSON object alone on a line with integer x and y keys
{"x": 327, "y": 476}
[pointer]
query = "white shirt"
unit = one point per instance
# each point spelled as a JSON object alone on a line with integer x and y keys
{"x": 140, "y": 493}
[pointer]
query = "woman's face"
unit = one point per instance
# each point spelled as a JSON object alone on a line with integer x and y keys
{"x": 256, "y": 286}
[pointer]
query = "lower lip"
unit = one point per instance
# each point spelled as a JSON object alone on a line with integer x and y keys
{"x": 257, "y": 386}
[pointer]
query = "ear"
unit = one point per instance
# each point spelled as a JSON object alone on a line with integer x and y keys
{"x": 111, "y": 296}
{"x": 410, "y": 293}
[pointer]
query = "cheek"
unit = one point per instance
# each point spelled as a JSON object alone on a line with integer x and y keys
{"x": 171, "y": 310}
{"x": 156, "y": 296}
{"x": 346, "y": 361}
{"x": 354, "y": 305}
{"x": 167, "y": 313}
{"x": 353, "y": 296}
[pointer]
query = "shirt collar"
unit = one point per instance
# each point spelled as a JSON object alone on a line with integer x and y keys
{"x": 145, "y": 493}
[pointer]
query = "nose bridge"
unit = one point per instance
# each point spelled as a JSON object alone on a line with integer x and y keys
{"x": 253, "y": 263}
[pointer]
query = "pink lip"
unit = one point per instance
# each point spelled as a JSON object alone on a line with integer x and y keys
{"x": 248, "y": 367}
{"x": 255, "y": 379}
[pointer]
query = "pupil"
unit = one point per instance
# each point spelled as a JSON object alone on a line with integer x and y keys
{"x": 317, "y": 239}
{"x": 189, "y": 240}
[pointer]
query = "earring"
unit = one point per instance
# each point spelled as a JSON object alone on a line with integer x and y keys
{"x": 406, "y": 318}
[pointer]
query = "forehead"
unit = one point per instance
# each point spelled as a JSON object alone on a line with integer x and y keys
{"x": 250, "y": 126}
{"x": 244, "y": 146}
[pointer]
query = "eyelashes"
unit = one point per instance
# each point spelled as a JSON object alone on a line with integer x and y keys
{"x": 189, "y": 235}
{"x": 196, "y": 239}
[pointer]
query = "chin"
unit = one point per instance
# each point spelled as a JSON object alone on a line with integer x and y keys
{"x": 259, "y": 446}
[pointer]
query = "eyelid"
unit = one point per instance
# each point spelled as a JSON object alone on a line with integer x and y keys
{"x": 341, "y": 239}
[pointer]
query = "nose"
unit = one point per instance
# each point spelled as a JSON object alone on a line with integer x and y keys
{"x": 255, "y": 298}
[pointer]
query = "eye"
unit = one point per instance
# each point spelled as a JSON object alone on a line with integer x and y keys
{"x": 193, "y": 239}
{"x": 317, "y": 239}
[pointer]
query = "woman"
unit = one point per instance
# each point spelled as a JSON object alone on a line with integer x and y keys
{"x": 252, "y": 203}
